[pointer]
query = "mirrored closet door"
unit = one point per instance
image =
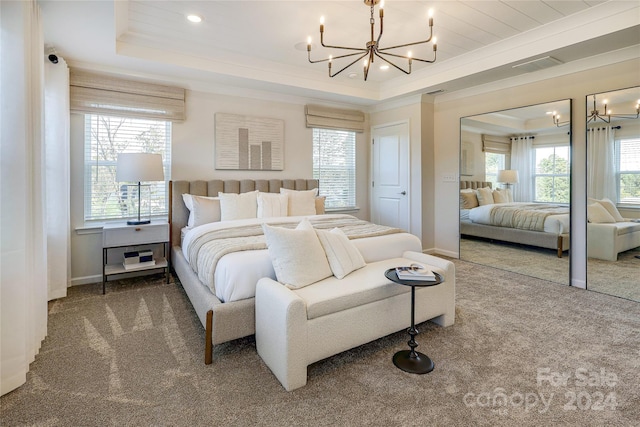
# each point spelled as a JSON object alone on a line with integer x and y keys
{"x": 515, "y": 168}
{"x": 613, "y": 193}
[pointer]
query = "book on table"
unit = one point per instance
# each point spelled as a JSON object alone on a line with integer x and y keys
{"x": 415, "y": 272}
{"x": 138, "y": 259}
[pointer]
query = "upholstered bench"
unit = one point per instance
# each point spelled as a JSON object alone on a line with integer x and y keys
{"x": 297, "y": 327}
{"x": 606, "y": 240}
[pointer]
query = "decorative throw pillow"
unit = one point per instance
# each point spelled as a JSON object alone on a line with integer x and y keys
{"x": 272, "y": 205}
{"x": 301, "y": 202}
{"x": 468, "y": 199}
{"x": 610, "y": 207}
{"x": 597, "y": 214}
{"x": 206, "y": 211}
{"x": 500, "y": 196}
{"x": 485, "y": 196}
{"x": 320, "y": 205}
{"x": 238, "y": 206}
{"x": 505, "y": 193}
{"x": 297, "y": 255}
{"x": 342, "y": 254}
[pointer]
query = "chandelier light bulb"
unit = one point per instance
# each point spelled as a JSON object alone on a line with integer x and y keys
{"x": 322, "y": 20}
{"x": 382, "y": 4}
{"x": 604, "y": 102}
{"x": 409, "y": 54}
{"x": 430, "y": 13}
{"x": 330, "y": 58}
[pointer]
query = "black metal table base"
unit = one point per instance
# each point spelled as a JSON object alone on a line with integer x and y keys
{"x": 416, "y": 363}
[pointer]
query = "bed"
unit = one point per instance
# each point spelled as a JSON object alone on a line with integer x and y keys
{"x": 550, "y": 231}
{"x": 223, "y": 295}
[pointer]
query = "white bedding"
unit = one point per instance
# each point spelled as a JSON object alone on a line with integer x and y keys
{"x": 237, "y": 273}
{"x": 556, "y": 224}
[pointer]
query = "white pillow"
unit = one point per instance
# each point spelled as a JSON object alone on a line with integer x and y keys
{"x": 503, "y": 192}
{"x": 485, "y": 196}
{"x": 597, "y": 214}
{"x": 272, "y": 205}
{"x": 238, "y": 206}
{"x": 301, "y": 202}
{"x": 297, "y": 255}
{"x": 206, "y": 211}
{"x": 610, "y": 207}
{"x": 500, "y": 196}
{"x": 342, "y": 254}
{"x": 320, "y": 200}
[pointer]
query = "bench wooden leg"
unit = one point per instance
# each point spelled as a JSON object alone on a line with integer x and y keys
{"x": 559, "y": 246}
{"x": 208, "y": 340}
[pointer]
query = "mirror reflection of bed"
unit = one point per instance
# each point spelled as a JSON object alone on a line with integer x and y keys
{"x": 515, "y": 190}
{"x": 613, "y": 183}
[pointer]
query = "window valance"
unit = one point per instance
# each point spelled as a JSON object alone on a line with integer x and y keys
{"x": 102, "y": 94}
{"x": 496, "y": 144}
{"x": 318, "y": 116}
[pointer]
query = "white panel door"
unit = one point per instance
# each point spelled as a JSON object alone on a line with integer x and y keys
{"x": 390, "y": 172}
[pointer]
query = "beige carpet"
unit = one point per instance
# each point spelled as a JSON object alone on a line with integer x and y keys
{"x": 618, "y": 278}
{"x": 134, "y": 357}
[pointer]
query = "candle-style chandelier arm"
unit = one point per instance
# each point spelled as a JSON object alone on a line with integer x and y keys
{"x": 336, "y": 47}
{"x": 350, "y": 64}
{"x": 364, "y": 52}
{"x": 410, "y": 44}
{"x": 392, "y": 64}
{"x": 411, "y": 58}
{"x": 606, "y": 117}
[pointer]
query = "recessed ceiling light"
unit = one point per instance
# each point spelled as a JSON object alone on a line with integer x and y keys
{"x": 353, "y": 75}
{"x": 194, "y": 18}
{"x": 384, "y": 67}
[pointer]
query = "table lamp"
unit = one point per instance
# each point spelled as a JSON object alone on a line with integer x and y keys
{"x": 139, "y": 167}
{"x": 507, "y": 177}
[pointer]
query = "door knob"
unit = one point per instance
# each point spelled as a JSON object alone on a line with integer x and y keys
{"x": 404, "y": 193}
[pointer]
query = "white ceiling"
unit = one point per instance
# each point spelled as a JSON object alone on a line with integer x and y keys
{"x": 252, "y": 44}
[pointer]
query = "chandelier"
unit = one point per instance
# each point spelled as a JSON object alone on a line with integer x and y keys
{"x": 372, "y": 48}
{"x": 595, "y": 115}
{"x": 606, "y": 114}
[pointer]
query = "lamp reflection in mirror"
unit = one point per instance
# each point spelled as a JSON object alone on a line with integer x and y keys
{"x": 139, "y": 167}
{"x": 507, "y": 177}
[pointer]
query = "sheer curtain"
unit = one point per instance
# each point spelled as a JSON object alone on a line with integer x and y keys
{"x": 522, "y": 161}
{"x": 601, "y": 164}
{"x": 23, "y": 257}
{"x": 56, "y": 139}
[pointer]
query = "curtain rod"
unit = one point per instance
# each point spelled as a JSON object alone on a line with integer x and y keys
{"x": 612, "y": 127}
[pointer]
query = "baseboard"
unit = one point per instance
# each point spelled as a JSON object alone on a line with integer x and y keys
{"x": 436, "y": 251}
{"x": 77, "y": 281}
{"x": 578, "y": 283}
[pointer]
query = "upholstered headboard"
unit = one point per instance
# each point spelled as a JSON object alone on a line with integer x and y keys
{"x": 474, "y": 184}
{"x": 179, "y": 214}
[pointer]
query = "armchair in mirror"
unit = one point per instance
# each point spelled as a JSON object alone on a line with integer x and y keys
{"x": 515, "y": 190}
{"x": 613, "y": 193}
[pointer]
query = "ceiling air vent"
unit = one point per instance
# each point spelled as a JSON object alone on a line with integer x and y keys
{"x": 537, "y": 64}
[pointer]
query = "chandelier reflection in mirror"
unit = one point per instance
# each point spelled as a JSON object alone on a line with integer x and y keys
{"x": 607, "y": 114}
{"x": 372, "y": 48}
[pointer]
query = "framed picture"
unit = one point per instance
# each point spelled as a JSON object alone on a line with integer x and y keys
{"x": 466, "y": 159}
{"x": 248, "y": 143}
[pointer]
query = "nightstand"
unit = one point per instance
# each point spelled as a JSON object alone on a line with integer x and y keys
{"x": 124, "y": 236}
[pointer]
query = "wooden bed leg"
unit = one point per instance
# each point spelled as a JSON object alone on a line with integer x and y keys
{"x": 559, "y": 246}
{"x": 208, "y": 341}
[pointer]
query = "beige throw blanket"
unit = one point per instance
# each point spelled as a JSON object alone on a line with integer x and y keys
{"x": 526, "y": 217}
{"x": 206, "y": 250}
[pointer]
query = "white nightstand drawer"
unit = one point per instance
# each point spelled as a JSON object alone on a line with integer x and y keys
{"x": 128, "y": 235}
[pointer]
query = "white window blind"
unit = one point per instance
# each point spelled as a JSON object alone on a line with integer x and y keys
{"x": 628, "y": 161}
{"x": 496, "y": 144}
{"x": 334, "y": 165}
{"x": 105, "y": 137}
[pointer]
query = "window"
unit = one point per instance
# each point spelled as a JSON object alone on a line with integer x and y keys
{"x": 105, "y": 137}
{"x": 628, "y": 167}
{"x": 551, "y": 177}
{"x": 334, "y": 164}
{"x": 493, "y": 162}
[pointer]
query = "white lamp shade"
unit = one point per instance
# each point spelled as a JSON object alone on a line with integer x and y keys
{"x": 508, "y": 176}
{"x": 139, "y": 167}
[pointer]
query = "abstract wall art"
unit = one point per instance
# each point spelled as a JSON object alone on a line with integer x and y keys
{"x": 248, "y": 143}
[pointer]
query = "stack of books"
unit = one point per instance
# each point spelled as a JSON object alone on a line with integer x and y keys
{"x": 138, "y": 259}
{"x": 416, "y": 272}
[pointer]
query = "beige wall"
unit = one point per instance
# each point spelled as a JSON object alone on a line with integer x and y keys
{"x": 193, "y": 158}
{"x": 447, "y": 135}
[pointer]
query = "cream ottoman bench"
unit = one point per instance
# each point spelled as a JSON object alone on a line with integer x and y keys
{"x": 297, "y": 327}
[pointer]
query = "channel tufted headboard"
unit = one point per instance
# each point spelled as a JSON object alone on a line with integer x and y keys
{"x": 179, "y": 214}
{"x": 474, "y": 184}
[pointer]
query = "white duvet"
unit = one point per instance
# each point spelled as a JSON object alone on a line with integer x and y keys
{"x": 556, "y": 224}
{"x": 237, "y": 273}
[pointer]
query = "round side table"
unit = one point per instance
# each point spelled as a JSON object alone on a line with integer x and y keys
{"x": 411, "y": 360}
